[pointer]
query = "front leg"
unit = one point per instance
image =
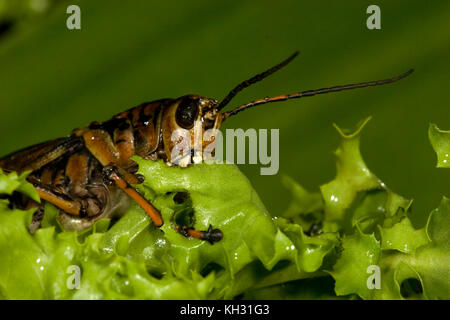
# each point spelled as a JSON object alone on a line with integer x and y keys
{"x": 183, "y": 220}
{"x": 211, "y": 235}
{"x": 112, "y": 174}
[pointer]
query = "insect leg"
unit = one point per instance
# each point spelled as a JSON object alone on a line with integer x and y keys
{"x": 77, "y": 172}
{"x": 20, "y": 201}
{"x": 183, "y": 219}
{"x": 211, "y": 235}
{"x": 38, "y": 215}
{"x": 101, "y": 146}
{"x": 84, "y": 185}
{"x": 60, "y": 200}
{"x": 113, "y": 174}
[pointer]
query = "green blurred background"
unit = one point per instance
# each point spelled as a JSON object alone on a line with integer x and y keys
{"x": 53, "y": 79}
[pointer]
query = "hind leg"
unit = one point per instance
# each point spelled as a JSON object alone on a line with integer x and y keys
{"x": 38, "y": 215}
{"x": 20, "y": 201}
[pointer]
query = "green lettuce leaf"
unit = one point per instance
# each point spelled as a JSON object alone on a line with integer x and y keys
{"x": 360, "y": 251}
{"x": 410, "y": 263}
{"x": 353, "y": 239}
{"x": 376, "y": 235}
{"x": 13, "y": 182}
{"x": 223, "y": 197}
{"x": 41, "y": 266}
{"x": 134, "y": 259}
{"x": 440, "y": 141}
{"x": 352, "y": 175}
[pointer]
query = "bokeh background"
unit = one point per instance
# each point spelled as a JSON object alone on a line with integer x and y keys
{"x": 53, "y": 79}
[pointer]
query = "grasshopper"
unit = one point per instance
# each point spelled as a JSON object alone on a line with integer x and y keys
{"x": 89, "y": 175}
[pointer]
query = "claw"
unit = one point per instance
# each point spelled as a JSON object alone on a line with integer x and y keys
{"x": 211, "y": 235}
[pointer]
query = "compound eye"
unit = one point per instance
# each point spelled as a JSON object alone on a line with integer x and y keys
{"x": 186, "y": 113}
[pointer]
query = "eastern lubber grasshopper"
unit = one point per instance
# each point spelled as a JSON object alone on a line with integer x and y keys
{"x": 89, "y": 174}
